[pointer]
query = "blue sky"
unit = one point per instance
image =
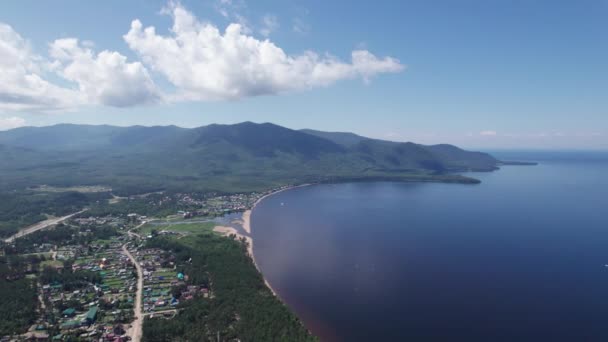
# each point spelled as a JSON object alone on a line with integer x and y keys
{"x": 480, "y": 74}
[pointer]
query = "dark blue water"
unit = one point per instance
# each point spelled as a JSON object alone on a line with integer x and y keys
{"x": 519, "y": 257}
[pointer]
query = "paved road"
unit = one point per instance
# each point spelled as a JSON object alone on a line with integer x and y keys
{"x": 41, "y": 225}
{"x": 136, "y": 327}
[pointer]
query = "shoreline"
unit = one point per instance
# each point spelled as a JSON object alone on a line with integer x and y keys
{"x": 246, "y": 224}
{"x": 246, "y": 217}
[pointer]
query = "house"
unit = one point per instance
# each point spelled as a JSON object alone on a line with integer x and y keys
{"x": 91, "y": 315}
{"x": 70, "y": 312}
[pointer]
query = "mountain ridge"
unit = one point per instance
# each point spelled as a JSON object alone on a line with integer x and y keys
{"x": 240, "y": 157}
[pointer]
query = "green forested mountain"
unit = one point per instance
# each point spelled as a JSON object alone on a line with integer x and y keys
{"x": 442, "y": 156}
{"x": 240, "y": 157}
{"x": 343, "y": 138}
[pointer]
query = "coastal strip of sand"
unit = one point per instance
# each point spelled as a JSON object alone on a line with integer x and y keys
{"x": 246, "y": 220}
{"x": 246, "y": 223}
{"x": 247, "y": 213}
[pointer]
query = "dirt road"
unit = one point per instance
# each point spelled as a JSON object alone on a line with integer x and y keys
{"x": 135, "y": 332}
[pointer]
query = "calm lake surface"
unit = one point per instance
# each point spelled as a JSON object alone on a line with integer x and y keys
{"x": 519, "y": 257}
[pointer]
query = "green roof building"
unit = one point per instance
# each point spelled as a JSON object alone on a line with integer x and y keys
{"x": 70, "y": 312}
{"x": 92, "y": 314}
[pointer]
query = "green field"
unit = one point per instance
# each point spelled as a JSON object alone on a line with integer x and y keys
{"x": 83, "y": 189}
{"x": 52, "y": 263}
{"x": 178, "y": 228}
{"x": 46, "y": 255}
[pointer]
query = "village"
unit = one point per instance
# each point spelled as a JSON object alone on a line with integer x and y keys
{"x": 88, "y": 289}
{"x": 87, "y": 271}
{"x": 213, "y": 204}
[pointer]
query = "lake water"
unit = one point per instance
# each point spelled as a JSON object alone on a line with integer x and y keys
{"x": 519, "y": 257}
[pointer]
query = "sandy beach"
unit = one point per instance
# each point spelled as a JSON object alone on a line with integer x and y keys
{"x": 247, "y": 214}
{"x": 246, "y": 223}
{"x": 246, "y": 220}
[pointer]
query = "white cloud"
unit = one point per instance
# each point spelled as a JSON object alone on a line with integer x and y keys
{"x": 206, "y": 64}
{"x": 106, "y": 78}
{"x": 200, "y": 61}
{"x": 269, "y": 24}
{"x": 21, "y": 85}
{"x": 488, "y": 133}
{"x": 244, "y": 23}
{"x": 11, "y": 122}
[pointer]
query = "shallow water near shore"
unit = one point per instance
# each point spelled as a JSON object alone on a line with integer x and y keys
{"x": 519, "y": 257}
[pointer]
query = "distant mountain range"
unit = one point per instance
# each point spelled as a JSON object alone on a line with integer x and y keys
{"x": 226, "y": 158}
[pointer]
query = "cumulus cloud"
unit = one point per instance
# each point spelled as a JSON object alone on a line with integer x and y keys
{"x": 206, "y": 64}
{"x": 200, "y": 61}
{"x": 21, "y": 85}
{"x": 105, "y": 78}
{"x": 11, "y": 122}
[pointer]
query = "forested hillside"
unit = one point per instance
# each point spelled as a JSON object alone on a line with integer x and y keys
{"x": 228, "y": 158}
